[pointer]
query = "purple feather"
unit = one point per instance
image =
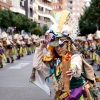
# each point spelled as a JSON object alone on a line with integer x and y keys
{"x": 52, "y": 39}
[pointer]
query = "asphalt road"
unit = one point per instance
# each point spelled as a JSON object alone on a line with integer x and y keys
{"x": 15, "y": 85}
{"x": 14, "y": 82}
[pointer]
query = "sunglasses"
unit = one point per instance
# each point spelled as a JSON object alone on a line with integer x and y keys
{"x": 61, "y": 46}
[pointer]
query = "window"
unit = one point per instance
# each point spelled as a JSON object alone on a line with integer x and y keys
{"x": 22, "y": 3}
{"x": 70, "y": 7}
{"x": 70, "y": 1}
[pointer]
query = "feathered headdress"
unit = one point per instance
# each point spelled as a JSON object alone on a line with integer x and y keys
{"x": 66, "y": 26}
{"x": 4, "y": 35}
{"x": 97, "y": 34}
{"x": 90, "y": 37}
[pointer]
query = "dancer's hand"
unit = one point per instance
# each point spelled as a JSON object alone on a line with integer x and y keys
{"x": 69, "y": 72}
{"x": 43, "y": 44}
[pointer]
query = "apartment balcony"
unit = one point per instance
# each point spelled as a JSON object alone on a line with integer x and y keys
{"x": 7, "y": 1}
{"x": 56, "y": 4}
{"x": 31, "y": 4}
{"x": 6, "y": 4}
{"x": 17, "y": 10}
{"x": 42, "y": 21}
{"x": 46, "y": 5}
{"x": 70, "y": 7}
{"x": 45, "y": 13}
{"x": 57, "y": 9}
{"x": 31, "y": 18}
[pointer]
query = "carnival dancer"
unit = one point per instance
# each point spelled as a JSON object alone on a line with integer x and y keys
{"x": 97, "y": 38}
{"x": 65, "y": 65}
{"x": 36, "y": 41}
{"x": 28, "y": 44}
{"x": 22, "y": 46}
{"x": 17, "y": 44}
{"x": 92, "y": 47}
{"x": 10, "y": 40}
{"x": 33, "y": 43}
{"x": 81, "y": 46}
{"x": 77, "y": 43}
{"x": 7, "y": 47}
{"x": 2, "y": 55}
{"x": 85, "y": 46}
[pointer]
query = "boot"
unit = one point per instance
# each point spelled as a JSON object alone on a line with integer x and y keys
{"x": 22, "y": 55}
{"x": 27, "y": 53}
{"x": 8, "y": 61}
{"x": 12, "y": 59}
{"x": 92, "y": 63}
{"x": 98, "y": 67}
{"x": 1, "y": 65}
{"x": 18, "y": 57}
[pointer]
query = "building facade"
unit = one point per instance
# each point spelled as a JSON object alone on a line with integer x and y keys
{"x": 59, "y": 5}
{"x": 43, "y": 12}
{"x": 5, "y": 4}
{"x": 17, "y": 6}
{"x": 74, "y": 6}
{"x": 29, "y": 8}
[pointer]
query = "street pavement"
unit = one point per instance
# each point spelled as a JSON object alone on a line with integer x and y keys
{"x": 14, "y": 82}
{"x": 15, "y": 85}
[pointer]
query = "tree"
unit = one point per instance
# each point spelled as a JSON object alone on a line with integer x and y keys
{"x": 45, "y": 28}
{"x": 37, "y": 31}
{"x": 5, "y": 19}
{"x": 32, "y": 25}
{"x": 20, "y": 21}
{"x": 90, "y": 19}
